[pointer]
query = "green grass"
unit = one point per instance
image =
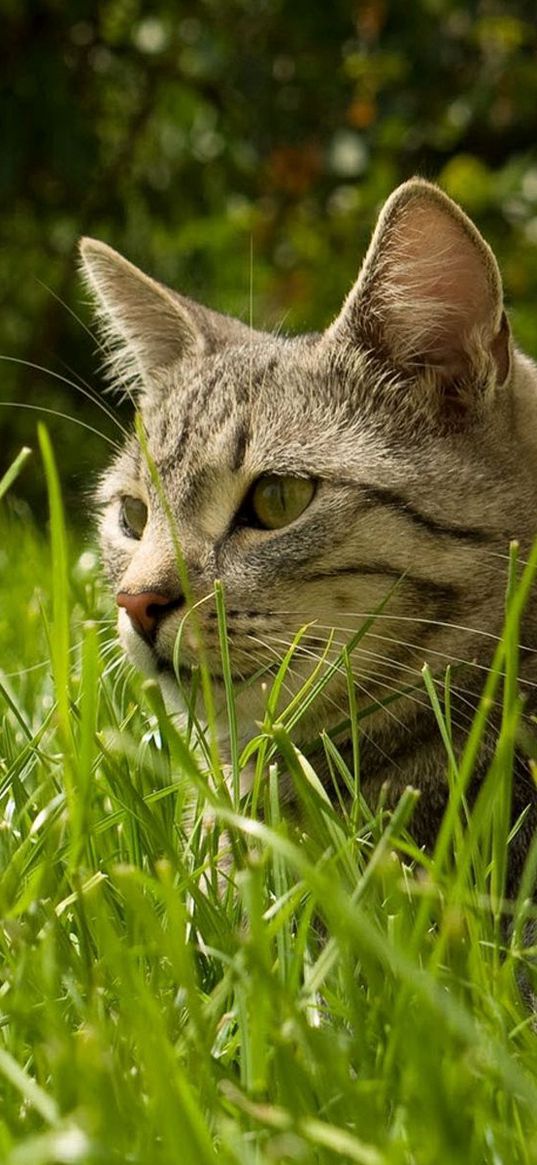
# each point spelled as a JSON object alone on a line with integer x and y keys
{"x": 337, "y": 997}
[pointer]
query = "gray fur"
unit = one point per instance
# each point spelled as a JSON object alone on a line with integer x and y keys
{"x": 412, "y": 405}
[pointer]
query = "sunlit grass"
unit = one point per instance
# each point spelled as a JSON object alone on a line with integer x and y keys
{"x": 330, "y": 995}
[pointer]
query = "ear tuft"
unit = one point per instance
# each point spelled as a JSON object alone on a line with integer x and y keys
{"x": 429, "y": 293}
{"x": 146, "y": 327}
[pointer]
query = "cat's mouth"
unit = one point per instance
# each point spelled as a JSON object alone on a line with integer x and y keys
{"x": 183, "y": 669}
{"x": 187, "y": 674}
{"x": 183, "y": 673}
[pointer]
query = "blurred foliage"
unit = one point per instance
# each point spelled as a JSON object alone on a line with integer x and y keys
{"x": 236, "y": 148}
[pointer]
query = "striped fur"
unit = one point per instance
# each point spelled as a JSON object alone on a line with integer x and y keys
{"x": 417, "y": 420}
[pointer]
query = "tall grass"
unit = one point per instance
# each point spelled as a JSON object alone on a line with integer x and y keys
{"x": 334, "y": 996}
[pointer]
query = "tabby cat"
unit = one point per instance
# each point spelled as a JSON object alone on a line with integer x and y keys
{"x": 395, "y": 453}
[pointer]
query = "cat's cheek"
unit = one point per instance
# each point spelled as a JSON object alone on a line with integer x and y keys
{"x": 138, "y": 652}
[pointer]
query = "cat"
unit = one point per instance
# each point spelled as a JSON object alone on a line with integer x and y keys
{"x": 393, "y": 454}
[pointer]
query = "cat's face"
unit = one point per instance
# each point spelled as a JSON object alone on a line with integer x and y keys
{"x": 313, "y": 476}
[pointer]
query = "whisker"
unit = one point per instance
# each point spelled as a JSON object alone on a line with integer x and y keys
{"x": 23, "y": 671}
{"x": 85, "y": 389}
{"x": 105, "y": 621}
{"x": 292, "y": 671}
{"x": 396, "y": 663}
{"x": 439, "y": 681}
{"x": 86, "y": 392}
{"x": 429, "y": 650}
{"x": 378, "y": 676}
{"x": 35, "y": 666}
{"x": 398, "y": 619}
{"x": 303, "y": 651}
{"x": 93, "y": 336}
{"x": 15, "y": 404}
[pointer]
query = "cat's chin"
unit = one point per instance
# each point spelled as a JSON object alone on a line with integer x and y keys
{"x": 179, "y": 698}
{"x": 173, "y": 694}
{"x": 146, "y": 660}
{"x": 138, "y": 652}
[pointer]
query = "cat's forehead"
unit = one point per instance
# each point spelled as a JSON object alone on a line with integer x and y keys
{"x": 268, "y": 397}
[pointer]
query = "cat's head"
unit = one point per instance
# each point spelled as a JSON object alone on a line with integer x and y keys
{"x": 310, "y": 474}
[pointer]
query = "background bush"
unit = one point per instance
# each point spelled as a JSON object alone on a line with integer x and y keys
{"x": 238, "y": 146}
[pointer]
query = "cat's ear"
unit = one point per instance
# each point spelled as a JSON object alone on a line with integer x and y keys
{"x": 147, "y": 327}
{"x": 429, "y": 294}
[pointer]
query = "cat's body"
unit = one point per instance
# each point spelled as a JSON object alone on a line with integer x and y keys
{"x": 413, "y": 425}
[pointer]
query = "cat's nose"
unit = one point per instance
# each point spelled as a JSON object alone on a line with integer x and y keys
{"x": 146, "y": 609}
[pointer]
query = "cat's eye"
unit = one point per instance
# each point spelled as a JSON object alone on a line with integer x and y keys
{"x": 133, "y": 516}
{"x": 276, "y": 500}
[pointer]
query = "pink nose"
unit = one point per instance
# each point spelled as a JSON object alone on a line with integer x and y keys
{"x": 146, "y": 609}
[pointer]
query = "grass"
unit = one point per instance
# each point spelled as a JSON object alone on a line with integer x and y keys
{"x": 338, "y": 997}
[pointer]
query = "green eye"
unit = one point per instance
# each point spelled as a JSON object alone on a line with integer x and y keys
{"x": 133, "y": 517}
{"x": 277, "y": 500}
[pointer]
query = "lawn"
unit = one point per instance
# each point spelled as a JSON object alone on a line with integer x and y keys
{"x": 331, "y": 995}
